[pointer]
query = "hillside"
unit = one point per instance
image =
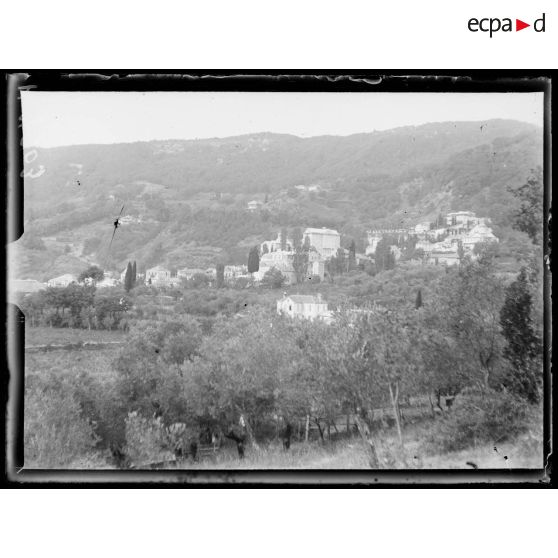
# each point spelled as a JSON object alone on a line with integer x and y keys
{"x": 186, "y": 200}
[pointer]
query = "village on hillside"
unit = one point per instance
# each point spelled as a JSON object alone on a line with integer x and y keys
{"x": 445, "y": 242}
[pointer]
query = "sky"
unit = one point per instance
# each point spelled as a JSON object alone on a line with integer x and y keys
{"x": 69, "y": 118}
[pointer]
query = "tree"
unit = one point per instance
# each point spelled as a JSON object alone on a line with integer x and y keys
{"x": 220, "y": 275}
{"x": 460, "y": 251}
{"x": 253, "y": 260}
{"x": 93, "y": 272}
{"x": 352, "y": 256}
{"x": 471, "y": 299}
{"x": 523, "y": 350}
{"x": 300, "y": 263}
{"x": 56, "y": 434}
{"x": 283, "y": 239}
{"x": 234, "y": 381}
{"x": 148, "y": 374}
{"x": 418, "y": 301}
{"x": 297, "y": 238}
{"x": 273, "y": 279}
{"x": 128, "y": 278}
{"x": 134, "y": 274}
{"x": 264, "y": 249}
{"x": 529, "y": 216}
{"x": 384, "y": 257}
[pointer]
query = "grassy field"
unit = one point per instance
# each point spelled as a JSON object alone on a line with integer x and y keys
{"x": 524, "y": 452}
{"x": 95, "y": 363}
{"x": 59, "y": 336}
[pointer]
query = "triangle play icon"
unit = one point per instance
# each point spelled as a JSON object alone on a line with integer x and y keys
{"x": 519, "y": 25}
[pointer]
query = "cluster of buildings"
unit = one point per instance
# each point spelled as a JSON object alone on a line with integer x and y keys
{"x": 323, "y": 243}
{"x": 160, "y": 276}
{"x": 446, "y": 244}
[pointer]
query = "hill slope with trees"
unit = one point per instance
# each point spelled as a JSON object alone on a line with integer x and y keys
{"x": 186, "y": 199}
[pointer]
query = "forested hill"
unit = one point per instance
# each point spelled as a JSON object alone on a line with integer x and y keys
{"x": 263, "y": 162}
{"x": 191, "y": 194}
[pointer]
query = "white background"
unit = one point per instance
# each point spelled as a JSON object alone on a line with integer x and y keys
{"x": 255, "y": 34}
{"x": 277, "y": 523}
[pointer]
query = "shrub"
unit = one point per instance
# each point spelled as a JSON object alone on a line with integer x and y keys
{"x": 479, "y": 418}
{"x": 55, "y": 432}
{"x": 145, "y": 440}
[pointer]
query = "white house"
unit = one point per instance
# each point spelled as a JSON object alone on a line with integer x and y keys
{"x": 325, "y": 241}
{"x": 158, "y": 276}
{"x": 308, "y": 307}
{"x": 62, "y": 280}
{"x": 254, "y": 205}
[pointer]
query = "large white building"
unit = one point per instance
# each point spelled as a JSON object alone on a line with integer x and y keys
{"x": 308, "y": 307}
{"x": 158, "y": 276}
{"x": 325, "y": 241}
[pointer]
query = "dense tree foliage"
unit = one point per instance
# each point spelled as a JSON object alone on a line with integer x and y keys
{"x": 523, "y": 349}
{"x": 253, "y": 260}
{"x": 93, "y": 272}
{"x": 529, "y": 215}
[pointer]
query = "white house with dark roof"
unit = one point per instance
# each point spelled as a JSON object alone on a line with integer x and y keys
{"x": 309, "y": 307}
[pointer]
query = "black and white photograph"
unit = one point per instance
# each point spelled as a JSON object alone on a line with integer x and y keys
{"x": 217, "y": 282}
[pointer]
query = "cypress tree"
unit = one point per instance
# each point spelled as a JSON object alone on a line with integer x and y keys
{"x": 128, "y": 278}
{"x": 283, "y": 239}
{"x": 253, "y": 260}
{"x": 220, "y": 275}
{"x": 418, "y": 302}
{"x": 352, "y": 255}
{"x": 134, "y": 273}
